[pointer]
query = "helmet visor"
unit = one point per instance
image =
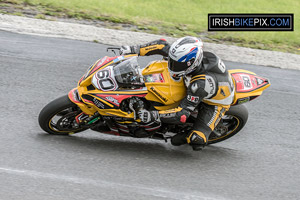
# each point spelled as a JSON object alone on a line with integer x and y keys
{"x": 176, "y": 66}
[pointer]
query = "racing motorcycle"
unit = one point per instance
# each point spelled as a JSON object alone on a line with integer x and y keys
{"x": 111, "y": 92}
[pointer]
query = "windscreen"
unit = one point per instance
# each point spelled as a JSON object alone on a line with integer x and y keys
{"x": 128, "y": 72}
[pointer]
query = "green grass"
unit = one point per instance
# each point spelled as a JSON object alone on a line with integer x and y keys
{"x": 181, "y": 17}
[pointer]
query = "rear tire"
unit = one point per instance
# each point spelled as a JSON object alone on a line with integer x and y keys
{"x": 237, "y": 116}
{"x": 65, "y": 111}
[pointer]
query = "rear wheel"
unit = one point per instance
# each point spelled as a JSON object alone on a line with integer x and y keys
{"x": 58, "y": 117}
{"x": 232, "y": 122}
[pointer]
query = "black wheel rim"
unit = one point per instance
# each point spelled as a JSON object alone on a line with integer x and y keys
{"x": 64, "y": 121}
{"x": 226, "y": 127}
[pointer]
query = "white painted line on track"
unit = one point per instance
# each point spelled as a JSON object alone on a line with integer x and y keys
{"x": 285, "y": 92}
{"x": 140, "y": 189}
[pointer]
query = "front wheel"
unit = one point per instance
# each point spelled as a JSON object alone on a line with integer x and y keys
{"x": 58, "y": 117}
{"x": 231, "y": 123}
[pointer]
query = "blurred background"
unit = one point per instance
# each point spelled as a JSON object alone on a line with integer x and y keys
{"x": 174, "y": 18}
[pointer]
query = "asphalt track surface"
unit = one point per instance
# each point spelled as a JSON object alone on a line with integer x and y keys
{"x": 262, "y": 162}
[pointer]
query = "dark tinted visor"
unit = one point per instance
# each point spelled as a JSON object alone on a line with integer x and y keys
{"x": 176, "y": 66}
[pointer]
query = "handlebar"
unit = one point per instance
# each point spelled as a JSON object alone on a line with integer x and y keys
{"x": 113, "y": 49}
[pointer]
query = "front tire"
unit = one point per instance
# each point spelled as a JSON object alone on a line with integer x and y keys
{"x": 58, "y": 117}
{"x": 232, "y": 122}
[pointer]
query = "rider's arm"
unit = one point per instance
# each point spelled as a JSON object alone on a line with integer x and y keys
{"x": 160, "y": 47}
{"x": 195, "y": 93}
{"x": 157, "y": 47}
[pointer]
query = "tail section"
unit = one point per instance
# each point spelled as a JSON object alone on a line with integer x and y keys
{"x": 248, "y": 85}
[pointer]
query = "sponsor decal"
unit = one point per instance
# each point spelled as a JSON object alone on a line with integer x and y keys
{"x": 150, "y": 48}
{"x": 211, "y": 84}
{"x": 118, "y": 59}
{"x": 247, "y": 82}
{"x": 243, "y": 100}
{"x": 259, "y": 81}
{"x": 101, "y": 61}
{"x": 98, "y": 103}
{"x": 158, "y": 94}
{"x": 193, "y": 99}
{"x": 113, "y": 100}
{"x": 154, "y": 78}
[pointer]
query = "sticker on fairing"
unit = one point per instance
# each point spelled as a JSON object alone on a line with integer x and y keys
{"x": 113, "y": 100}
{"x": 118, "y": 59}
{"x": 104, "y": 79}
{"x": 247, "y": 82}
{"x": 154, "y": 78}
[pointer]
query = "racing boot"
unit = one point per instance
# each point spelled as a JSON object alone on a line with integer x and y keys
{"x": 197, "y": 140}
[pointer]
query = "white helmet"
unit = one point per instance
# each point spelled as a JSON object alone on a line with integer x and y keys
{"x": 185, "y": 55}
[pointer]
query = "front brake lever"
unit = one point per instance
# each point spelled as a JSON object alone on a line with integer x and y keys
{"x": 133, "y": 110}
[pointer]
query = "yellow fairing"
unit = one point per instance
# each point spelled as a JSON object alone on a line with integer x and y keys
{"x": 161, "y": 89}
{"x": 231, "y": 71}
{"x": 168, "y": 92}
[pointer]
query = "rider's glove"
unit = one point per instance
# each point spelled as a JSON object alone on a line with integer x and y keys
{"x": 125, "y": 50}
{"x": 148, "y": 116}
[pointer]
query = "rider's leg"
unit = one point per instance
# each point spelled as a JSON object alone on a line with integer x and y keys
{"x": 208, "y": 118}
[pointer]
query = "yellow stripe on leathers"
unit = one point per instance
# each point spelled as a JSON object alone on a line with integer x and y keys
{"x": 198, "y": 76}
{"x": 219, "y": 114}
{"x": 145, "y": 50}
{"x": 197, "y": 79}
{"x": 198, "y": 133}
{"x": 174, "y": 110}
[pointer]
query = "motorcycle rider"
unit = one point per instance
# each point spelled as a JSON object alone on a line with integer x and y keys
{"x": 209, "y": 87}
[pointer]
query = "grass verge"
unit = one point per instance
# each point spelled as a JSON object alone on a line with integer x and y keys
{"x": 174, "y": 18}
